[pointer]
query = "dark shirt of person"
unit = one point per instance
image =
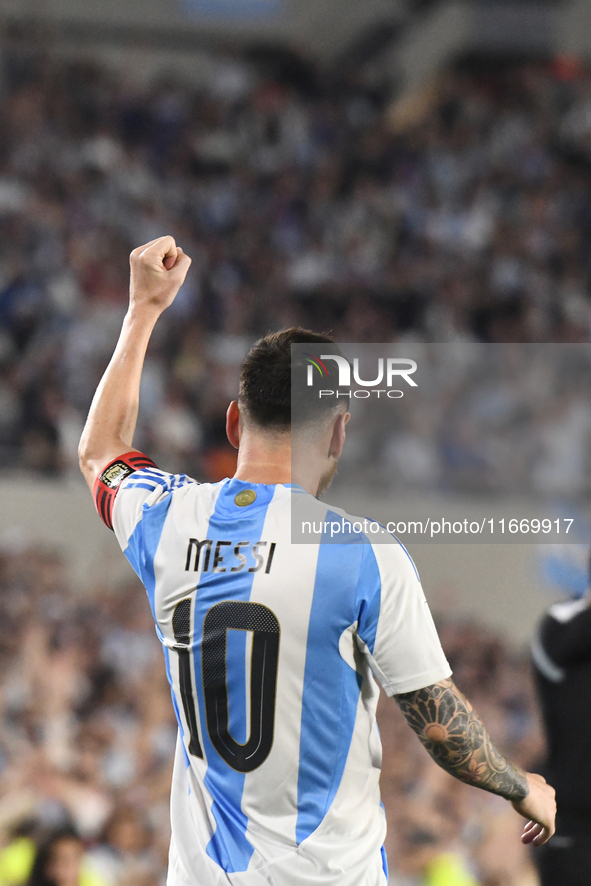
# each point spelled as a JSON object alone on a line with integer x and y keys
{"x": 561, "y": 653}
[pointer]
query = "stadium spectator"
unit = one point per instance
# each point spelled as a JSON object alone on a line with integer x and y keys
{"x": 302, "y": 203}
{"x": 60, "y": 862}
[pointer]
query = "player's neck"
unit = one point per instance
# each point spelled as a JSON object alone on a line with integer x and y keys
{"x": 268, "y": 460}
{"x": 263, "y": 472}
{"x": 264, "y": 458}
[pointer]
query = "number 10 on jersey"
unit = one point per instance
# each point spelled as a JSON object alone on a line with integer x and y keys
{"x": 235, "y": 615}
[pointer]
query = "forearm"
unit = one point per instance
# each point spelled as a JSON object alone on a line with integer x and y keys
{"x": 455, "y": 737}
{"x": 112, "y": 418}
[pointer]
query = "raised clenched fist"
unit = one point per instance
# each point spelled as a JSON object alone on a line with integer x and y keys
{"x": 158, "y": 270}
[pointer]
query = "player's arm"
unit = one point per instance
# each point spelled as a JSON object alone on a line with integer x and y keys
{"x": 158, "y": 270}
{"x": 455, "y": 737}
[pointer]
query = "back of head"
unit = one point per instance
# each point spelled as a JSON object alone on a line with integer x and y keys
{"x": 41, "y": 873}
{"x": 273, "y": 390}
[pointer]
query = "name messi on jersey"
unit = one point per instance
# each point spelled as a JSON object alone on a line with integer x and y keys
{"x": 217, "y": 556}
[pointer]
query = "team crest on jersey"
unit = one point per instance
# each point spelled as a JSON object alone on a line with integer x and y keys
{"x": 245, "y": 498}
{"x": 115, "y": 474}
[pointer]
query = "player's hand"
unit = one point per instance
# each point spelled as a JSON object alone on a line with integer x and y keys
{"x": 540, "y": 808}
{"x": 158, "y": 270}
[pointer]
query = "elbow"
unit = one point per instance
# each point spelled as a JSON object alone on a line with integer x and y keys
{"x": 85, "y": 463}
{"x": 94, "y": 453}
{"x": 83, "y": 455}
{"x": 88, "y": 458}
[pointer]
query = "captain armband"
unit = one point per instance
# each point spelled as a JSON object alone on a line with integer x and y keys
{"x": 109, "y": 481}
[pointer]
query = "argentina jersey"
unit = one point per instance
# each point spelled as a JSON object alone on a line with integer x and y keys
{"x": 271, "y": 650}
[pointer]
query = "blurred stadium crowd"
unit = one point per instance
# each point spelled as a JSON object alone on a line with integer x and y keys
{"x": 87, "y": 734}
{"x": 303, "y": 197}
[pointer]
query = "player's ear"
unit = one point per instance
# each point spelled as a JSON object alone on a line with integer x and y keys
{"x": 233, "y": 424}
{"x": 338, "y": 435}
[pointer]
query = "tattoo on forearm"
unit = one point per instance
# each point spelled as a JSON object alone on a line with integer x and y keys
{"x": 454, "y": 735}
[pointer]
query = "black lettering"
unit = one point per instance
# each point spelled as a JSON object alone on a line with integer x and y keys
{"x": 198, "y": 545}
{"x": 181, "y": 625}
{"x": 270, "y": 558}
{"x": 240, "y": 556}
{"x": 258, "y": 557}
{"x": 219, "y": 558}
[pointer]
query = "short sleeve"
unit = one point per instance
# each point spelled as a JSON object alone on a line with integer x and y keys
{"x": 395, "y": 626}
{"x": 128, "y": 486}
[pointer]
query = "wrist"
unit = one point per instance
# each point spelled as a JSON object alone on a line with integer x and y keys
{"x": 521, "y": 787}
{"x": 142, "y": 315}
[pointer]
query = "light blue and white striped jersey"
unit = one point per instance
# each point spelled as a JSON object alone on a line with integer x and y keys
{"x": 270, "y": 652}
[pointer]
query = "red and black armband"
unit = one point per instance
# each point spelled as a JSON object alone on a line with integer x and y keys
{"x": 108, "y": 482}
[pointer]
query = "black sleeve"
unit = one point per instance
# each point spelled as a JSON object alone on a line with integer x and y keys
{"x": 567, "y": 643}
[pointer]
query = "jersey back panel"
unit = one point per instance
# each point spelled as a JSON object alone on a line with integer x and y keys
{"x": 271, "y": 650}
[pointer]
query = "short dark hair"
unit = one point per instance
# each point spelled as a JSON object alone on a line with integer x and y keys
{"x": 39, "y": 875}
{"x": 266, "y": 378}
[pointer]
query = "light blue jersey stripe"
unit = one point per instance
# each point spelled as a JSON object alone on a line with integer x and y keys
{"x": 331, "y": 687}
{"x": 151, "y": 482}
{"x": 368, "y": 601}
{"x": 149, "y": 486}
{"x": 229, "y": 847}
{"x": 141, "y": 551}
{"x": 143, "y": 544}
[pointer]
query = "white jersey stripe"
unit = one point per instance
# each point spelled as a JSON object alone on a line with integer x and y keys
{"x": 275, "y": 797}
